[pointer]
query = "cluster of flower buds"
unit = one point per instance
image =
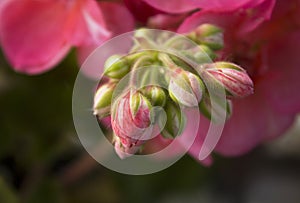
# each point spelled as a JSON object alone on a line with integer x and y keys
{"x": 133, "y": 120}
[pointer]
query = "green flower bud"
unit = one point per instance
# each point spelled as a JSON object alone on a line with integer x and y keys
{"x": 102, "y": 99}
{"x": 186, "y": 88}
{"x": 116, "y": 67}
{"x": 209, "y": 35}
{"x": 201, "y": 54}
{"x": 175, "y": 121}
{"x": 155, "y": 95}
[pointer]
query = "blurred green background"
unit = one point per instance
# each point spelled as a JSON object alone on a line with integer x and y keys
{"x": 42, "y": 160}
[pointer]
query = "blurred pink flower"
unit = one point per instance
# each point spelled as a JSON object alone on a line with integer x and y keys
{"x": 141, "y": 10}
{"x": 36, "y": 35}
{"x": 174, "y": 6}
{"x": 180, "y": 6}
{"x": 269, "y": 51}
{"x": 249, "y": 13}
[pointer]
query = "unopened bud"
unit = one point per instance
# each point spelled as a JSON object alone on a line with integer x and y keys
{"x": 102, "y": 99}
{"x": 116, "y": 67}
{"x": 155, "y": 95}
{"x": 175, "y": 121}
{"x": 131, "y": 119}
{"x": 201, "y": 54}
{"x": 186, "y": 88}
{"x": 209, "y": 35}
{"x": 233, "y": 78}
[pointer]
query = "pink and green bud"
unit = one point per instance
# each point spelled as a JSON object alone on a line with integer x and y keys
{"x": 131, "y": 119}
{"x": 209, "y": 35}
{"x": 155, "y": 95}
{"x": 233, "y": 78}
{"x": 102, "y": 99}
{"x": 116, "y": 67}
{"x": 175, "y": 121}
{"x": 186, "y": 88}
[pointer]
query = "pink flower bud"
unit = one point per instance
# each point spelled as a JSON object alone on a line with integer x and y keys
{"x": 232, "y": 77}
{"x": 131, "y": 120}
{"x": 186, "y": 88}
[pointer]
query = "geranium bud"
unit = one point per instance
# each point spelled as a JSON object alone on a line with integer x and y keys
{"x": 196, "y": 85}
{"x": 175, "y": 121}
{"x": 233, "y": 78}
{"x": 200, "y": 54}
{"x": 185, "y": 88}
{"x": 116, "y": 67}
{"x": 131, "y": 120}
{"x": 155, "y": 95}
{"x": 143, "y": 39}
{"x": 209, "y": 35}
{"x": 102, "y": 99}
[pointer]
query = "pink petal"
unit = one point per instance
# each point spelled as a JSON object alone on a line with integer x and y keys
{"x": 241, "y": 22}
{"x": 253, "y": 121}
{"x": 173, "y": 6}
{"x": 141, "y": 10}
{"x": 227, "y": 5}
{"x": 283, "y": 87}
{"x": 30, "y": 44}
{"x": 114, "y": 15}
{"x": 166, "y": 21}
{"x": 117, "y": 18}
{"x": 225, "y": 20}
{"x": 87, "y": 21}
{"x": 258, "y": 14}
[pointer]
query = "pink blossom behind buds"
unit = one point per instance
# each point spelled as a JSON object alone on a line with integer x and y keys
{"x": 35, "y": 35}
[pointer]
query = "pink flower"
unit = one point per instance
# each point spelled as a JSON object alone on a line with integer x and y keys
{"x": 247, "y": 13}
{"x": 141, "y": 10}
{"x": 269, "y": 52}
{"x": 36, "y": 35}
{"x": 180, "y": 6}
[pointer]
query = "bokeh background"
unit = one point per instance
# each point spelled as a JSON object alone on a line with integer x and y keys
{"x": 42, "y": 160}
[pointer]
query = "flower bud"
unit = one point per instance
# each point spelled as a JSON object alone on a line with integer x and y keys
{"x": 201, "y": 54}
{"x": 186, "y": 88}
{"x": 131, "y": 119}
{"x": 232, "y": 77}
{"x": 155, "y": 95}
{"x": 143, "y": 39}
{"x": 102, "y": 99}
{"x": 209, "y": 35}
{"x": 175, "y": 121}
{"x": 116, "y": 67}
